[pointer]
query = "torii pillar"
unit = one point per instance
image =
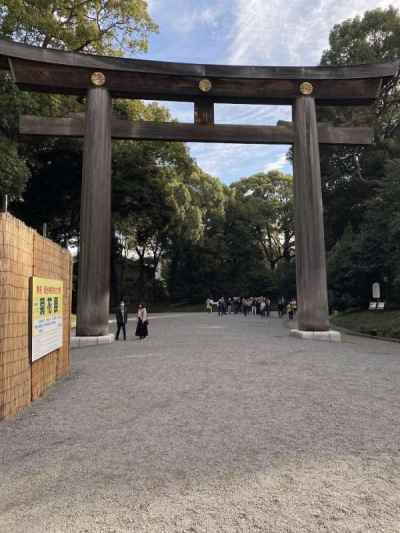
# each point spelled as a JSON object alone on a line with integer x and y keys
{"x": 312, "y": 294}
{"x": 311, "y": 278}
{"x": 95, "y": 218}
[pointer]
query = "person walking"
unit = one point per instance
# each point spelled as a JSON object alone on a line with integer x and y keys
{"x": 253, "y": 306}
{"x": 121, "y": 315}
{"x": 142, "y": 323}
{"x": 268, "y": 306}
{"x": 221, "y": 306}
{"x": 281, "y": 307}
{"x": 290, "y": 311}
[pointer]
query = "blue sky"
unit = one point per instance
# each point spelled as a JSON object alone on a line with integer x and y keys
{"x": 246, "y": 32}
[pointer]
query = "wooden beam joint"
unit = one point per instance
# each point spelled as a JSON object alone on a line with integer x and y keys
{"x": 204, "y": 113}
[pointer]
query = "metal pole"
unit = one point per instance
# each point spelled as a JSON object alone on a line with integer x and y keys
{"x": 5, "y": 203}
{"x": 44, "y": 229}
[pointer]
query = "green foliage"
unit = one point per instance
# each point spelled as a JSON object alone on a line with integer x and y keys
{"x": 376, "y": 323}
{"x": 52, "y": 195}
{"x": 352, "y": 176}
{"x": 373, "y": 38}
{"x": 247, "y": 245}
{"x": 97, "y": 26}
{"x": 360, "y": 186}
{"x": 372, "y": 252}
{"x": 13, "y": 170}
{"x": 391, "y": 241}
{"x": 266, "y": 204}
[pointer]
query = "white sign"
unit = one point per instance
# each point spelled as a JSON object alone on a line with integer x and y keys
{"x": 376, "y": 290}
{"x": 46, "y": 316}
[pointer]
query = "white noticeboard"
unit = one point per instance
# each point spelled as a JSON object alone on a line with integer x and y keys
{"x": 46, "y": 316}
{"x": 376, "y": 290}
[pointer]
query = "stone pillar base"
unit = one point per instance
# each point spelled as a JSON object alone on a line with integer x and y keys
{"x": 328, "y": 336}
{"x": 83, "y": 342}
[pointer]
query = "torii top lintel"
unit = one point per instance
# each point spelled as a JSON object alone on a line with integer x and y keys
{"x": 45, "y": 70}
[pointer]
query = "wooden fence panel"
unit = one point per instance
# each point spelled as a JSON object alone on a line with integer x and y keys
{"x": 24, "y": 253}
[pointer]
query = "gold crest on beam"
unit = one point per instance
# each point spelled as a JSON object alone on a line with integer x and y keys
{"x": 205, "y": 85}
{"x": 306, "y": 88}
{"x": 98, "y": 79}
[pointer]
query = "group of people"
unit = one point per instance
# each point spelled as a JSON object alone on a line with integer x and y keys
{"x": 121, "y": 315}
{"x": 253, "y": 306}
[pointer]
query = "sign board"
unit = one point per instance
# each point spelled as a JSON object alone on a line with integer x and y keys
{"x": 46, "y": 316}
{"x": 376, "y": 290}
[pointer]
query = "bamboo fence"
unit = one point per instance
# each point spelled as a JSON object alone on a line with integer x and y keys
{"x": 23, "y": 254}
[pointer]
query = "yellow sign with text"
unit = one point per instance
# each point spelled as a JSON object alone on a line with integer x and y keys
{"x": 46, "y": 316}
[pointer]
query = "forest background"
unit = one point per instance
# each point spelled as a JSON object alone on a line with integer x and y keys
{"x": 180, "y": 235}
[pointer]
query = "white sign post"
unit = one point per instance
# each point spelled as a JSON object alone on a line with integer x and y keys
{"x": 376, "y": 291}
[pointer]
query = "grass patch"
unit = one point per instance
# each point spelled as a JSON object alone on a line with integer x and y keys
{"x": 376, "y": 323}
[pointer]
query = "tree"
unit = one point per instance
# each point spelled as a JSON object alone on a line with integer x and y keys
{"x": 390, "y": 208}
{"x": 105, "y": 27}
{"x": 352, "y": 176}
{"x": 197, "y": 260}
{"x": 267, "y": 204}
{"x": 361, "y": 193}
{"x": 95, "y": 26}
{"x": 159, "y": 196}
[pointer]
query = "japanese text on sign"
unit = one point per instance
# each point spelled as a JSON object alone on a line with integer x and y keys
{"x": 47, "y": 318}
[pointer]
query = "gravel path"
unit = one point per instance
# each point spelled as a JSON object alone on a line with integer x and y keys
{"x": 210, "y": 425}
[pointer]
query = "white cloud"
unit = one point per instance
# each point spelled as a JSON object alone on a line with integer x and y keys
{"x": 289, "y": 33}
{"x": 258, "y": 32}
{"x": 278, "y": 164}
{"x": 187, "y": 19}
{"x": 227, "y": 161}
{"x": 272, "y": 32}
{"x": 250, "y": 114}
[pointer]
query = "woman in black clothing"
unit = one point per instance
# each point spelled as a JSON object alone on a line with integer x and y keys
{"x": 142, "y": 330}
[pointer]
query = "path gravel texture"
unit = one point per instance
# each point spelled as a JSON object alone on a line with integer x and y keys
{"x": 210, "y": 425}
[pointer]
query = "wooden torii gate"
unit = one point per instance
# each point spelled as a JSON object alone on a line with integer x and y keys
{"x": 100, "y": 79}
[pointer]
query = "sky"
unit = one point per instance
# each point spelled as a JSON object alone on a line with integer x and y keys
{"x": 246, "y": 32}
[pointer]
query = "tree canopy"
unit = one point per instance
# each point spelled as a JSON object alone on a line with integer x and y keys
{"x": 361, "y": 185}
{"x": 105, "y": 27}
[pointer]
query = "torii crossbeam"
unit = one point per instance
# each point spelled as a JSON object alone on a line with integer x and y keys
{"x": 102, "y": 78}
{"x": 211, "y": 133}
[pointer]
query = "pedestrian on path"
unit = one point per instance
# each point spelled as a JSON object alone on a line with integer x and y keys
{"x": 221, "y": 306}
{"x": 121, "y": 315}
{"x": 142, "y": 323}
{"x": 268, "y": 306}
{"x": 253, "y": 306}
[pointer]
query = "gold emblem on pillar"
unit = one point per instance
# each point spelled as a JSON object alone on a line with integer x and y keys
{"x": 98, "y": 79}
{"x": 306, "y": 88}
{"x": 205, "y": 85}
